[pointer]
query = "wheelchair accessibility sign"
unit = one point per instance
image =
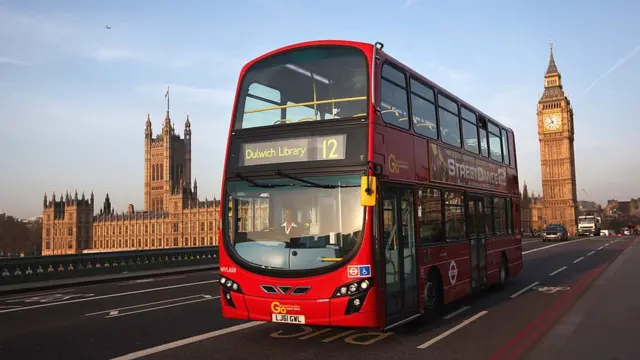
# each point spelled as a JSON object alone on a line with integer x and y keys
{"x": 359, "y": 271}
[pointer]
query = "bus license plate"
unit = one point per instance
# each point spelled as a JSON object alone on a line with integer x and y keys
{"x": 288, "y": 319}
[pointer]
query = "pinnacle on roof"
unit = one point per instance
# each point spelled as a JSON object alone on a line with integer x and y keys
{"x": 552, "y": 68}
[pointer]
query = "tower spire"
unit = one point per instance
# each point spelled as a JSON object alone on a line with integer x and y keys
{"x": 552, "y": 69}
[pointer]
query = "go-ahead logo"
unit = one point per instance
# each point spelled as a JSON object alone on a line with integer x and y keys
{"x": 278, "y": 308}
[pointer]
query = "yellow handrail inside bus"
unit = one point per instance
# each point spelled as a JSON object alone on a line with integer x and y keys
{"x": 305, "y": 104}
{"x": 327, "y": 259}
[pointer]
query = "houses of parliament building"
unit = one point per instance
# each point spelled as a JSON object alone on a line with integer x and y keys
{"x": 173, "y": 216}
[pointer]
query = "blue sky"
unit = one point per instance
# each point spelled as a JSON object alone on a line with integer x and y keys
{"x": 75, "y": 95}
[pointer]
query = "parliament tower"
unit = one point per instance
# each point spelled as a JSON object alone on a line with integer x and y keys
{"x": 557, "y": 154}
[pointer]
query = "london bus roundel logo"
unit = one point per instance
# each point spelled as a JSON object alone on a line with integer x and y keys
{"x": 453, "y": 272}
{"x": 353, "y": 271}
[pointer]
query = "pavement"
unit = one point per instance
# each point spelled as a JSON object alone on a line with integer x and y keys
{"x": 552, "y": 310}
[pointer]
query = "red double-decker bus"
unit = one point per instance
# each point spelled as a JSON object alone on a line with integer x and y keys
{"x": 359, "y": 193}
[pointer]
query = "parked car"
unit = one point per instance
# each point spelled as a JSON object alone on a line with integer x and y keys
{"x": 554, "y": 232}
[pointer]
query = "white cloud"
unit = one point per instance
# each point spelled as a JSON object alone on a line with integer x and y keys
{"x": 42, "y": 37}
{"x": 407, "y": 4}
{"x": 7, "y": 60}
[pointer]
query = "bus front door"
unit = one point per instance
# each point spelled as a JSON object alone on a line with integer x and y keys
{"x": 399, "y": 251}
{"x": 477, "y": 241}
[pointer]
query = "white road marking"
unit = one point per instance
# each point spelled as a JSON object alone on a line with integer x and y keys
{"x": 159, "y": 307}
{"x": 591, "y": 253}
{"x": 456, "y": 312}
{"x": 578, "y": 260}
{"x": 523, "y": 290}
{"x": 29, "y": 295}
{"x": 175, "y": 344}
{"x": 601, "y": 247}
{"x": 112, "y": 295}
{"x": 114, "y": 312}
{"x": 452, "y": 330}
{"x": 150, "y": 280}
{"x": 557, "y": 271}
{"x": 554, "y": 245}
{"x": 151, "y": 303}
{"x": 9, "y": 306}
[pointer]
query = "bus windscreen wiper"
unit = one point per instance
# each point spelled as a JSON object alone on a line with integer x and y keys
{"x": 257, "y": 184}
{"x": 311, "y": 183}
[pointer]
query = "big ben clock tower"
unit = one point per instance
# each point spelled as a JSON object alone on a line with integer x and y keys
{"x": 557, "y": 155}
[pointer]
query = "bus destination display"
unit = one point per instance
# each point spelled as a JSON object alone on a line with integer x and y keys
{"x": 316, "y": 148}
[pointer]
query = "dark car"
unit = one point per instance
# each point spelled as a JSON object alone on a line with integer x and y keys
{"x": 554, "y": 232}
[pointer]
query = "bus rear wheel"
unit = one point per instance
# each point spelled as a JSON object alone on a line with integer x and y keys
{"x": 503, "y": 272}
{"x": 433, "y": 296}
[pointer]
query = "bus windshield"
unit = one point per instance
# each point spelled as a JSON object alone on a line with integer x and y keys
{"x": 294, "y": 225}
{"x": 315, "y": 83}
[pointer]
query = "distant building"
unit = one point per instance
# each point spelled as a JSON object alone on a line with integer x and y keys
{"x": 531, "y": 211}
{"x": 172, "y": 215}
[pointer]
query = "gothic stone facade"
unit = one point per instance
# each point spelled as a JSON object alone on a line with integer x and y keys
{"x": 172, "y": 215}
{"x": 557, "y": 155}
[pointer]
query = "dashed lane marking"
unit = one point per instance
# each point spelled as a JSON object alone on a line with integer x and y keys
{"x": 160, "y": 307}
{"x": 149, "y": 304}
{"x": 30, "y": 295}
{"x": 524, "y": 290}
{"x": 175, "y": 344}
{"x": 557, "y": 271}
{"x": 111, "y": 295}
{"x": 591, "y": 253}
{"x": 554, "y": 245}
{"x": 578, "y": 260}
{"x": 140, "y": 281}
{"x": 452, "y": 330}
{"x": 465, "y": 308}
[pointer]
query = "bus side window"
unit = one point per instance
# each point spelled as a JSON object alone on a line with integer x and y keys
{"x": 454, "y": 216}
{"x": 430, "y": 216}
{"x": 394, "y": 103}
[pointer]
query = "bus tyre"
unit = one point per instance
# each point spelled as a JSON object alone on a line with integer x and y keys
{"x": 503, "y": 274}
{"x": 433, "y": 297}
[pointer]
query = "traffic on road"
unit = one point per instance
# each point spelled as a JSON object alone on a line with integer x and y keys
{"x": 178, "y": 317}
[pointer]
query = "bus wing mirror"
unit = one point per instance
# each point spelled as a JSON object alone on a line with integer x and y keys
{"x": 368, "y": 191}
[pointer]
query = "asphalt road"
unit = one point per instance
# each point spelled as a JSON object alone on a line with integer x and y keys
{"x": 541, "y": 314}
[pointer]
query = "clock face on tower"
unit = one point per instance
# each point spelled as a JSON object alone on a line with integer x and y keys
{"x": 552, "y": 122}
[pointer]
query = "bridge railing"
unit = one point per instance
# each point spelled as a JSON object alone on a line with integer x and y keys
{"x": 42, "y": 268}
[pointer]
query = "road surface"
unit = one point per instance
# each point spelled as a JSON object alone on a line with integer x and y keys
{"x": 570, "y": 301}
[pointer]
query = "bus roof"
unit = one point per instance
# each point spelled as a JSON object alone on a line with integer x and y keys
{"x": 369, "y": 46}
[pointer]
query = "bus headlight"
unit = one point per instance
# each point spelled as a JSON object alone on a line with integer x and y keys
{"x": 354, "y": 287}
{"x": 229, "y": 285}
{"x": 357, "y": 293}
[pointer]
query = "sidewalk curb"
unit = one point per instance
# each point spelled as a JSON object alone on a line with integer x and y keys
{"x": 93, "y": 280}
